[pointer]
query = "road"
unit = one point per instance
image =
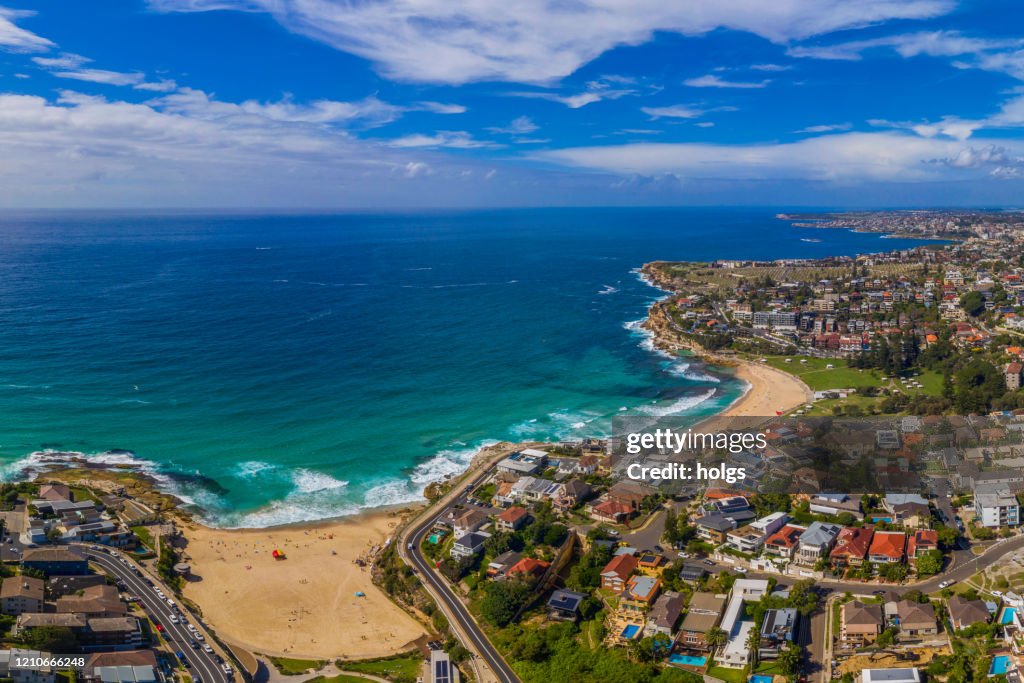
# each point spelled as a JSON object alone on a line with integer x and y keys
{"x": 450, "y": 603}
{"x": 203, "y": 663}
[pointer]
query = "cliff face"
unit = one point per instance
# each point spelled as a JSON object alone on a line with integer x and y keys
{"x": 656, "y": 274}
{"x": 666, "y": 337}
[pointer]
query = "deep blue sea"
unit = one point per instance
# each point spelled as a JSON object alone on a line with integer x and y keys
{"x": 285, "y": 368}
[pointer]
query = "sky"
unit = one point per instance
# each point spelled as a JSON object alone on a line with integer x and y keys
{"x": 393, "y": 104}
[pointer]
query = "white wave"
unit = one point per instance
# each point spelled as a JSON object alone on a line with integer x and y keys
{"x": 676, "y": 407}
{"x": 310, "y": 481}
{"x": 253, "y": 468}
{"x": 608, "y": 289}
{"x": 688, "y": 371}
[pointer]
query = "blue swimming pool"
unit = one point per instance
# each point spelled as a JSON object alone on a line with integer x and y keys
{"x": 1007, "y": 616}
{"x": 689, "y": 660}
{"x": 759, "y": 679}
{"x": 999, "y": 666}
{"x": 887, "y": 520}
{"x": 630, "y": 631}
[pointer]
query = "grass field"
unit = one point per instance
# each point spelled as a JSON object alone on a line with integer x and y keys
{"x": 819, "y": 377}
{"x": 295, "y": 667}
{"x": 396, "y": 668}
{"x": 340, "y": 678}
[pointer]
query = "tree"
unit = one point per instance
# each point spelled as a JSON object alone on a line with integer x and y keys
{"x": 790, "y": 658}
{"x": 973, "y": 303}
{"x": 976, "y": 385}
{"x": 754, "y": 643}
{"x": 51, "y": 639}
{"x": 930, "y": 564}
{"x": 894, "y": 571}
{"x": 503, "y": 600}
{"x": 716, "y": 638}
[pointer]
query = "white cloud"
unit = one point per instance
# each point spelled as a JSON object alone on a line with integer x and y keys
{"x": 103, "y": 76}
{"x": 770, "y": 67}
{"x": 675, "y": 111}
{"x": 441, "y": 108}
{"x": 452, "y": 139}
{"x": 825, "y": 128}
{"x": 163, "y": 85}
{"x": 518, "y": 126}
{"x": 881, "y": 156}
{"x": 712, "y": 81}
{"x": 13, "y": 38}
{"x": 539, "y": 41}
{"x": 65, "y": 60}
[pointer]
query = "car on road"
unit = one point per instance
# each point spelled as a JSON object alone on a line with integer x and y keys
{"x": 199, "y": 636}
{"x": 207, "y": 649}
{"x": 158, "y": 626}
{"x": 174, "y": 619}
{"x": 194, "y": 644}
{"x": 945, "y": 584}
{"x": 878, "y": 592}
{"x": 741, "y": 570}
{"x": 709, "y": 563}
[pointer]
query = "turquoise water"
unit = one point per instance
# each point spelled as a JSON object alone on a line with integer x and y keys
{"x": 274, "y": 369}
{"x": 688, "y": 660}
{"x": 887, "y": 520}
{"x": 1000, "y": 664}
{"x": 760, "y": 679}
{"x": 1007, "y": 615}
{"x": 630, "y": 631}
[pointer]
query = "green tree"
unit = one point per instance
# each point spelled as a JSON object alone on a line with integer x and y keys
{"x": 790, "y": 658}
{"x": 716, "y": 638}
{"x": 973, "y": 303}
{"x": 503, "y": 600}
{"x": 930, "y": 564}
{"x": 51, "y": 639}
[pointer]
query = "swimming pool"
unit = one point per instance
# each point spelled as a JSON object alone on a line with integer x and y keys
{"x": 1000, "y": 664}
{"x": 887, "y": 520}
{"x": 759, "y": 679}
{"x": 630, "y": 631}
{"x": 1007, "y": 616}
{"x": 689, "y": 660}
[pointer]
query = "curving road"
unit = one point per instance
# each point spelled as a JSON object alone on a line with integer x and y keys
{"x": 204, "y": 664}
{"x": 452, "y": 606}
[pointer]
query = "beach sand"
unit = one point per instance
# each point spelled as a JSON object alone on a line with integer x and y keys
{"x": 770, "y": 390}
{"x": 304, "y": 606}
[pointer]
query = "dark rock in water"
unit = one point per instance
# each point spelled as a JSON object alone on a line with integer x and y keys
{"x": 196, "y": 479}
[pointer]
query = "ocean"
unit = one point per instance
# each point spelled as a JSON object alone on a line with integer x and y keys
{"x": 272, "y": 369}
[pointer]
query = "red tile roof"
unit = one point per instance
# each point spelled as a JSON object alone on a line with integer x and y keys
{"x": 513, "y": 515}
{"x": 923, "y": 539}
{"x": 853, "y": 542}
{"x": 888, "y": 543}
{"x": 621, "y": 565}
{"x": 528, "y": 565}
{"x": 786, "y": 537}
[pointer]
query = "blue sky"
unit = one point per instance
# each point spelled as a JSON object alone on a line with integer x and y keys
{"x": 408, "y": 103}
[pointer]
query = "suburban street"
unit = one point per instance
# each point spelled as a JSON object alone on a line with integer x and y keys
{"x": 204, "y": 664}
{"x": 459, "y": 617}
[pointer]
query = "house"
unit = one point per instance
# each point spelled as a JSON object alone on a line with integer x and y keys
{"x": 527, "y": 461}
{"x": 111, "y": 633}
{"x": 565, "y": 604}
{"x": 617, "y": 572}
{"x": 730, "y": 504}
{"x": 21, "y": 594}
{"x": 610, "y": 511}
{"x": 512, "y": 519}
{"x": 816, "y": 542}
{"x": 499, "y": 566}
{"x": 777, "y": 629}
{"x": 572, "y": 494}
{"x": 916, "y": 619}
{"x": 692, "y": 572}
{"x": 912, "y": 515}
{"x": 1012, "y": 374}
{"x": 664, "y": 614}
{"x": 9, "y": 669}
{"x": 95, "y": 601}
{"x": 51, "y": 561}
{"x": 891, "y": 500}
{"x": 56, "y": 492}
{"x": 528, "y": 567}
{"x": 125, "y": 674}
{"x": 909, "y": 675}
{"x": 750, "y": 538}
{"x": 921, "y": 543}
{"x": 964, "y": 613}
{"x": 469, "y": 521}
{"x": 59, "y": 586}
{"x": 640, "y": 593}
{"x": 835, "y": 504}
{"x": 859, "y": 623}
{"x": 440, "y": 668}
{"x": 714, "y": 527}
{"x": 887, "y": 547}
{"x": 469, "y": 545}
{"x": 996, "y": 507}
{"x": 735, "y": 654}
{"x": 650, "y": 563}
{"x": 851, "y": 547}
{"x": 704, "y": 612}
{"x": 631, "y": 493}
{"x": 783, "y": 543}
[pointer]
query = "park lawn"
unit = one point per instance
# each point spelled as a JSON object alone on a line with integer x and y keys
{"x": 816, "y": 374}
{"x": 340, "y": 678}
{"x": 401, "y": 668}
{"x": 295, "y": 667}
{"x": 81, "y": 493}
{"x": 145, "y": 536}
{"x": 824, "y": 406}
{"x": 728, "y": 675}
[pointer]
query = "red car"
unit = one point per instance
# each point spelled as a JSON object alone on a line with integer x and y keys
{"x": 159, "y": 627}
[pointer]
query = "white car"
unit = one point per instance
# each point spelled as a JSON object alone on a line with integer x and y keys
{"x": 198, "y": 635}
{"x": 741, "y": 570}
{"x": 207, "y": 649}
{"x": 998, "y": 594}
{"x": 170, "y": 602}
{"x": 945, "y": 584}
{"x": 174, "y": 619}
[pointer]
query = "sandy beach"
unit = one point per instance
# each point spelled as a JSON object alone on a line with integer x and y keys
{"x": 303, "y": 606}
{"x": 770, "y": 390}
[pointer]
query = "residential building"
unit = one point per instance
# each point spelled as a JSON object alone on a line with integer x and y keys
{"x": 469, "y": 521}
{"x": 640, "y": 593}
{"x": 528, "y": 567}
{"x": 859, "y": 623}
{"x": 1012, "y": 375}
{"x": 565, "y": 604}
{"x": 703, "y": 614}
{"x": 512, "y": 519}
{"x": 499, "y": 566}
{"x": 664, "y": 614}
{"x": 777, "y": 629}
{"x": 9, "y": 670}
{"x": 783, "y": 543}
{"x": 835, "y": 504}
{"x": 816, "y": 542}
{"x": 887, "y": 547}
{"x": 52, "y": 561}
{"x": 617, "y": 572}
{"x": 95, "y": 601}
{"x": 908, "y": 675}
{"x": 916, "y": 619}
{"x": 964, "y": 613}
{"x": 996, "y": 507}
{"x": 735, "y": 654}
{"x": 469, "y": 545}
{"x": 20, "y": 594}
{"x": 528, "y": 461}
{"x": 921, "y": 543}
{"x": 750, "y": 538}
{"x": 441, "y": 669}
{"x": 851, "y": 547}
